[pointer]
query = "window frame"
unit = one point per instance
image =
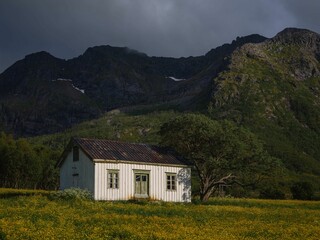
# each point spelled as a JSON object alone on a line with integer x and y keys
{"x": 171, "y": 184}
{"x": 76, "y": 154}
{"x": 115, "y": 180}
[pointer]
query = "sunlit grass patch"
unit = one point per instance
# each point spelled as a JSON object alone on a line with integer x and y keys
{"x": 37, "y": 217}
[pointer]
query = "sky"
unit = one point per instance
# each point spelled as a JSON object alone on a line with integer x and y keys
{"x": 177, "y": 28}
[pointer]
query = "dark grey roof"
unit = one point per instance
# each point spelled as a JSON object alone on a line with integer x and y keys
{"x": 132, "y": 152}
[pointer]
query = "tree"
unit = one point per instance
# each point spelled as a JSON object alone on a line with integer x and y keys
{"x": 9, "y": 161}
{"x": 302, "y": 191}
{"x": 49, "y": 178}
{"x": 272, "y": 192}
{"x": 23, "y": 165}
{"x": 221, "y": 152}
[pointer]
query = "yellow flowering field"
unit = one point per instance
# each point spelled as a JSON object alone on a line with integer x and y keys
{"x": 37, "y": 217}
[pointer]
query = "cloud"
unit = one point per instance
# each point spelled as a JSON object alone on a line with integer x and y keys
{"x": 305, "y": 13}
{"x": 156, "y": 27}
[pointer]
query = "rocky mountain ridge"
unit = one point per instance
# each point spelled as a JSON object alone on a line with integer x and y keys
{"x": 43, "y": 94}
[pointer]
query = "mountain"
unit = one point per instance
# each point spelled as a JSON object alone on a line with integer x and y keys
{"x": 270, "y": 86}
{"x": 33, "y": 99}
{"x": 273, "y": 88}
{"x": 42, "y": 94}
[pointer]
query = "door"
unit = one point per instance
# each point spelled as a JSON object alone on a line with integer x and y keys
{"x": 75, "y": 180}
{"x": 141, "y": 185}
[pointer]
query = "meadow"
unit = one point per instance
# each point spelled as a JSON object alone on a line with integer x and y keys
{"x": 33, "y": 215}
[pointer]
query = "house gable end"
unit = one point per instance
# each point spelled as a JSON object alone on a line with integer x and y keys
{"x": 69, "y": 149}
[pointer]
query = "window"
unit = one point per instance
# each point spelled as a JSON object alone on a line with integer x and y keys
{"x": 171, "y": 181}
{"x": 113, "y": 179}
{"x": 75, "y": 153}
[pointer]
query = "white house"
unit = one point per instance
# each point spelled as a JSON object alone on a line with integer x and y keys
{"x": 113, "y": 170}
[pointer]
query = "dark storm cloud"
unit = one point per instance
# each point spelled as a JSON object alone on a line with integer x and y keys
{"x": 66, "y": 28}
{"x": 304, "y": 13}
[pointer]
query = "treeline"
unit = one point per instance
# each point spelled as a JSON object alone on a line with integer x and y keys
{"x": 23, "y": 165}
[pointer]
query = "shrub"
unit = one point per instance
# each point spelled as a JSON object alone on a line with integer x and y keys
{"x": 302, "y": 191}
{"x": 72, "y": 194}
{"x": 272, "y": 193}
{"x": 2, "y": 235}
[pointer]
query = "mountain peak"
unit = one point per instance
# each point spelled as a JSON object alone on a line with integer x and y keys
{"x": 253, "y": 38}
{"x": 108, "y": 50}
{"x": 228, "y": 48}
{"x": 292, "y": 30}
{"x": 298, "y": 36}
{"x": 40, "y": 55}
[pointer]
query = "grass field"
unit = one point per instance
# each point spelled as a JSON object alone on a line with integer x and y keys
{"x": 33, "y": 216}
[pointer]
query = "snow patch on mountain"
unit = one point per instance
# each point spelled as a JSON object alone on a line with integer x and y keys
{"x": 69, "y": 80}
{"x": 176, "y": 79}
{"x": 80, "y": 90}
{"x": 62, "y": 79}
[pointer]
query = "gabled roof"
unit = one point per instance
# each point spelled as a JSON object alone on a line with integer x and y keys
{"x": 100, "y": 149}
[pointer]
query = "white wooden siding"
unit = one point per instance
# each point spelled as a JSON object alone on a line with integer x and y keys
{"x": 84, "y": 168}
{"x": 157, "y": 182}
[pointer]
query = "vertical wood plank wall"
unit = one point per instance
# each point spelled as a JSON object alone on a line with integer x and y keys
{"x": 157, "y": 182}
{"x": 93, "y": 176}
{"x": 84, "y": 168}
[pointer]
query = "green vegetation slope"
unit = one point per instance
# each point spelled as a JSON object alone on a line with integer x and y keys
{"x": 273, "y": 88}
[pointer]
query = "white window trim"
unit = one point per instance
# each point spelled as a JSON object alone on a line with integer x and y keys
{"x": 115, "y": 176}
{"x": 171, "y": 181}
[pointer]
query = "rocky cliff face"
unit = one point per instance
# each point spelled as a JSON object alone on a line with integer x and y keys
{"x": 43, "y": 94}
{"x": 273, "y": 88}
{"x": 253, "y": 76}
